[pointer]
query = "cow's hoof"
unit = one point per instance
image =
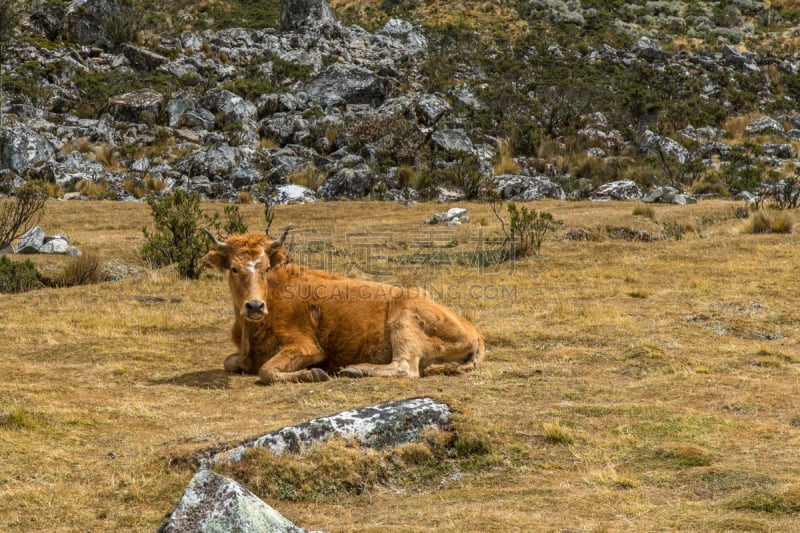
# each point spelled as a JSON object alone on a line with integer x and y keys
{"x": 351, "y": 372}
{"x": 319, "y": 374}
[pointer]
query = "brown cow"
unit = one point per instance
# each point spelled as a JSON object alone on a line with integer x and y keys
{"x": 297, "y": 324}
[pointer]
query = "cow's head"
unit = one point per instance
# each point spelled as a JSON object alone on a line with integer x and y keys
{"x": 247, "y": 259}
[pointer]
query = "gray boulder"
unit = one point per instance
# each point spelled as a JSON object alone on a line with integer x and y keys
{"x": 299, "y": 14}
{"x": 448, "y": 194}
{"x": 141, "y": 107}
{"x": 401, "y": 34}
{"x": 350, "y": 183}
{"x": 349, "y": 84}
{"x": 31, "y": 241}
{"x": 378, "y": 426}
{"x": 455, "y": 141}
{"x": 520, "y": 188}
{"x": 87, "y": 21}
{"x": 654, "y": 143}
{"x": 649, "y": 49}
{"x": 616, "y": 190}
{"x": 781, "y": 151}
{"x": 214, "y": 503}
{"x": 668, "y": 195}
{"x": 142, "y": 58}
{"x": 431, "y": 108}
{"x": 764, "y": 125}
{"x": 21, "y": 148}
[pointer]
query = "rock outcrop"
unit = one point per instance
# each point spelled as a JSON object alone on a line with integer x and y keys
{"x": 378, "y": 426}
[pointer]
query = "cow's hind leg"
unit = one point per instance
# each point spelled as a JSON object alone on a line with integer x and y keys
{"x": 408, "y": 343}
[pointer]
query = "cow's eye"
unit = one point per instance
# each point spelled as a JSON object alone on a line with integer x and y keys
{"x": 234, "y": 270}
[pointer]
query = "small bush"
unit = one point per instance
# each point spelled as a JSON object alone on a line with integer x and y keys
{"x": 235, "y": 222}
{"x": 16, "y": 276}
{"x": 524, "y": 231}
{"x": 763, "y": 221}
{"x": 25, "y": 211}
{"x": 178, "y": 236}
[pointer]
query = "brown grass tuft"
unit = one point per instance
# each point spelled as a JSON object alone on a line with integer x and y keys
{"x": 769, "y": 221}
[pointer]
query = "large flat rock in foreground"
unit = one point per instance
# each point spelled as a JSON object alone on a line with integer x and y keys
{"x": 379, "y": 426}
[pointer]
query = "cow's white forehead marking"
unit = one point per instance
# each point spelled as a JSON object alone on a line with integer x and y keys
{"x": 251, "y": 265}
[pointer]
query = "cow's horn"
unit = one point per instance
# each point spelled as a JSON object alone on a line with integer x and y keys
{"x": 274, "y": 245}
{"x": 217, "y": 242}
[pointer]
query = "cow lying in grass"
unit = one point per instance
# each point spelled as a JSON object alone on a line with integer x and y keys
{"x": 297, "y": 324}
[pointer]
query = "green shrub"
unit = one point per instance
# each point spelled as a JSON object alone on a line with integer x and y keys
{"x": 235, "y": 222}
{"x": 178, "y": 236}
{"x": 16, "y": 276}
{"x": 524, "y": 231}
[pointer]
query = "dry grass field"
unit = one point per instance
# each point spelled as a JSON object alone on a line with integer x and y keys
{"x": 628, "y": 386}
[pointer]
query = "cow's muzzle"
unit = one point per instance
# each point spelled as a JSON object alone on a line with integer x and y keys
{"x": 255, "y": 310}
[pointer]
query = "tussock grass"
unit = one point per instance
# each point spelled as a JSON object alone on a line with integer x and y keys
{"x": 769, "y": 221}
{"x": 679, "y": 407}
{"x": 310, "y": 177}
{"x": 505, "y": 161}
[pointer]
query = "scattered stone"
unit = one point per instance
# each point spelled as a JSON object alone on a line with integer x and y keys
{"x": 668, "y": 195}
{"x": 34, "y": 241}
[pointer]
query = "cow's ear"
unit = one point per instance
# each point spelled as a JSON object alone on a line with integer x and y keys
{"x": 214, "y": 259}
{"x": 277, "y": 258}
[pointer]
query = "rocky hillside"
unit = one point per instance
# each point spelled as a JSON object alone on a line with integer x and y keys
{"x": 304, "y": 100}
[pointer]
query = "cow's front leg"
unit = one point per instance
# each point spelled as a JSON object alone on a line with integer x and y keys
{"x": 232, "y": 363}
{"x": 292, "y": 363}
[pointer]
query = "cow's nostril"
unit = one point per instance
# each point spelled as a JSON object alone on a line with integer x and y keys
{"x": 255, "y": 306}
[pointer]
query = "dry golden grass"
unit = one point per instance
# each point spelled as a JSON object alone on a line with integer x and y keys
{"x": 629, "y": 386}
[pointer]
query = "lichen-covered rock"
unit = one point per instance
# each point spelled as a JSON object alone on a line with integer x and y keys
{"x": 297, "y": 14}
{"x": 142, "y": 106}
{"x": 379, "y": 426}
{"x": 213, "y": 503}
{"x": 31, "y": 241}
{"x": 21, "y": 148}
{"x": 350, "y": 84}
{"x": 454, "y": 141}
{"x": 616, "y": 190}
{"x": 520, "y": 188}
{"x": 764, "y": 125}
{"x": 350, "y": 183}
